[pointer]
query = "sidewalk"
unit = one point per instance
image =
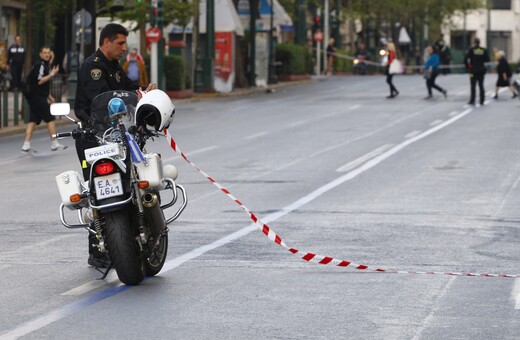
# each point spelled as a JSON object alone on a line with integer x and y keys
{"x": 20, "y": 129}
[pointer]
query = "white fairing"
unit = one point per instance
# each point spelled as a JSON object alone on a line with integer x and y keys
{"x": 163, "y": 105}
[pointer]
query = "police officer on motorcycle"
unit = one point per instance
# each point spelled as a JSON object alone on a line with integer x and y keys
{"x": 99, "y": 73}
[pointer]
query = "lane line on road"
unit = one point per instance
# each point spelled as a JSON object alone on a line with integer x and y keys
{"x": 516, "y": 293}
{"x": 66, "y": 310}
{"x": 298, "y": 123}
{"x": 357, "y": 162}
{"x": 427, "y": 321}
{"x": 260, "y": 134}
{"x": 209, "y": 148}
{"x": 436, "y": 122}
{"x": 453, "y": 113}
{"x": 412, "y": 134}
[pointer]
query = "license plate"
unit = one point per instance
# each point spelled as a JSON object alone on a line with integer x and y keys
{"x": 108, "y": 186}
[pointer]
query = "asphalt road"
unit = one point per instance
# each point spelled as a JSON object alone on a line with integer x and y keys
{"x": 334, "y": 168}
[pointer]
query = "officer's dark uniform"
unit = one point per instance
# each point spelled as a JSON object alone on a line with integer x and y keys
{"x": 15, "y": 59}
{"x": 96, "y": 75}
{"x": 475, "y": 60}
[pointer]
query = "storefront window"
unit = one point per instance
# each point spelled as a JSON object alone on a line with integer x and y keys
{"x": 500, "y": 4}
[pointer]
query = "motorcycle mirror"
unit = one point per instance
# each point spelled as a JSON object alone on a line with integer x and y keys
{"x": 60, "y": 109}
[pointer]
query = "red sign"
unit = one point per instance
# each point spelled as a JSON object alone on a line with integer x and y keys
{"x": 318, "y": 36}
{"x": 153, "y": 34}
{"x": 223, "y": 55}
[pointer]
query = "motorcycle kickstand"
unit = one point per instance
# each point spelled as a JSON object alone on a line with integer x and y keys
{"x": 105, "y": 273}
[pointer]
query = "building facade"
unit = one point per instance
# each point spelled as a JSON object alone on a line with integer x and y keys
{"x": 497, "y": 25}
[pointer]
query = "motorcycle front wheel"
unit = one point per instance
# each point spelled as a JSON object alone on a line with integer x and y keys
{"x": 123, "y": 248}
{"x": 155, "y": 261}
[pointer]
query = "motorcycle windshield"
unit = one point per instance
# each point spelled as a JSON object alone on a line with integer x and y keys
{"x": 99, "y": 108}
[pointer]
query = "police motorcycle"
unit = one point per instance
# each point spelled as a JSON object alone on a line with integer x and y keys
{"x": 121, "y": 202}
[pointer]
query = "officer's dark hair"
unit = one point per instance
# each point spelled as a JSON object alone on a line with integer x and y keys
{"x": 111, "y": 31}
{"x": 476, "y": 41}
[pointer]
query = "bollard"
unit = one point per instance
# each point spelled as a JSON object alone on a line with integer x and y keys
{"x": 5, "y": 108}
{"x": 16, "y": 112}
{"x": 25, "y": 109}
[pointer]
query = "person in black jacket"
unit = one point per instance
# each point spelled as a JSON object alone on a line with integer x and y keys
{"x": 476, "y": 59}
{"x": 40, "y": 99}
{"x": 15, "y": 59}
{"x": 99, "y": 73}
{"x": 504, "y": 74}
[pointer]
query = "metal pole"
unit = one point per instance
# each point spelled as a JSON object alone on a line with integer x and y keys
{"x": 209, "y": 62}
{"x": 160, "y": 47}
{"x": 318, "y": 48}
{"x": 325, "y": 34}
{"x": 154, "y": 57}
{"x": 72, "y": 59}
{"x": 488, "y": 33}
{"x": 253, "y": 5}
{"x": 272, "y": 72}
{"x": 300, "y": 22}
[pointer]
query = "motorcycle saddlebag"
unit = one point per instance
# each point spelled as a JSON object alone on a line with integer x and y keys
{"x": 69, "y": 183}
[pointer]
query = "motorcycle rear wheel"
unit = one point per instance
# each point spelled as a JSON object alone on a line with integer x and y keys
{"x": 155, "y": 261}
{"x": 123, "y": 248}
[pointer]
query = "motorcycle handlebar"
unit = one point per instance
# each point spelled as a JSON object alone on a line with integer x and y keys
{"x": 62, "y": 135}
{"x": 76, "y": 133}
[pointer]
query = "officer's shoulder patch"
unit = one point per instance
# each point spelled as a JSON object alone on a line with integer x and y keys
{"x": 96, "y": 73}
{"x": 96, "y": 59}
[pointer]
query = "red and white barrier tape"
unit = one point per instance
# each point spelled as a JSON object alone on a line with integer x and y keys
{"x": 307, "y": 256}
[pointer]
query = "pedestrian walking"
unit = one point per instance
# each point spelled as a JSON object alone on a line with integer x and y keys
{"x": 504, "y": 74}
{"x": 390, "y": 51}
{"x": 431, "y": 71}
{"x": 443, "y": 50}
{"x": 135, "y": 69}
{"x": 331, "y": 55}
{"x": 15, "y": 60}
{"x": 475, "y": 59}
{"x": 39, "y": 99}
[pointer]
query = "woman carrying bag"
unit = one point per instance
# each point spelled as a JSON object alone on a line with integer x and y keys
{"x": 391, "y": 66}
{"x": 431, "y": 71}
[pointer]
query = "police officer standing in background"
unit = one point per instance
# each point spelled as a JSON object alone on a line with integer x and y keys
{"x": 15, "y": 59}
{"x": 99, "y": 73}
{"x": 475, "y": 60}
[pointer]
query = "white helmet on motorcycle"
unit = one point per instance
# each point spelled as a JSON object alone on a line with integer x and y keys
{"x": 155, "y": 109}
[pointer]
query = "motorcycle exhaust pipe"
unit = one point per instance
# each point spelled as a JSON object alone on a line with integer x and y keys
{"x": 153, "y": 214}
{"x": 150, "y": 200}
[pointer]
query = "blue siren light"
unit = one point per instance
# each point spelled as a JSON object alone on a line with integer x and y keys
{"x": 116, "y": 107}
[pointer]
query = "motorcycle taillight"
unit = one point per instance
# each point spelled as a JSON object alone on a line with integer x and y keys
{"x": 104, "y": 168}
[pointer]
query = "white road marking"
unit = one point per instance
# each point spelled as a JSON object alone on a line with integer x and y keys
{"x": 209, "y": 148}
{"x": 436, "y": 122}
{"x": 71, "y": 308}
{"x": 436, "y": 306}
{"x": 260, "y": 134}
{"x": 353, "y": 107}
{"x": 516, "y": 293}
{"x": 453, "y": 113}
{"x": 91, "y": 285}
{"x": 357, "y": 162}
{"x": 301, "y": 122}
{"x": 412, "y": 134}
